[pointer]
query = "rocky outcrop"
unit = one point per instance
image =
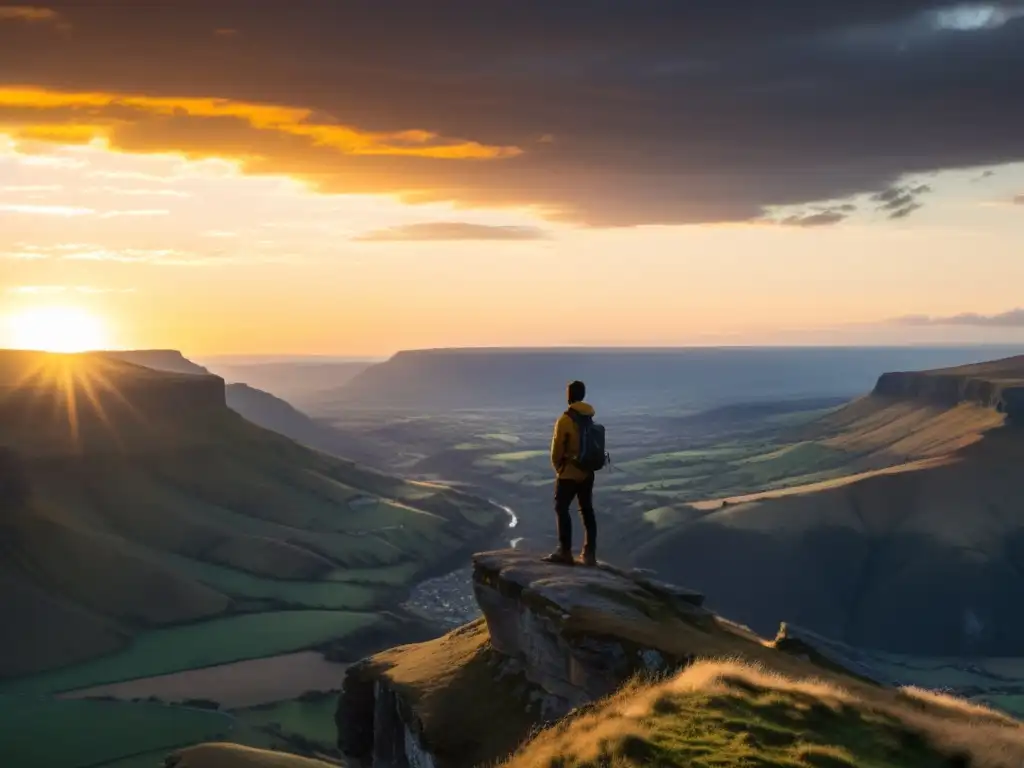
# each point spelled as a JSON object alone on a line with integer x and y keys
{"x": 552, "y": 638}
{"x": 998, "y": 385}
{"x": 579, "y": 633}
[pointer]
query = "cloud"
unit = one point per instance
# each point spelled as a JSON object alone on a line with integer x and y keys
{"x": 128, "y": 118}
{"x": 49, "y": 290}
{"x": 818, "y": 219}
{"x": 661, "y": 112}
{"x": 92, "y": 252}
{"x": 1014, "y": 318}
{"x": 138, "y": 212}
{"x": 32, "y": 188}
{"x": 1018, "y": 200}
{"x": 137, "y": 256}
{"x": 33, "y": 14}
{"x": 141, "y": 192}
{"x": 451, "y": 230}
{"x": 45, "y": 210}
{"x": 901, "y": 201}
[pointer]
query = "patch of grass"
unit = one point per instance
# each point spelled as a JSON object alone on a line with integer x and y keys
{"x": 519, "y": 456}
{"x": 74, "y": 734}
{"x": 330, "y": 595}
{"x": 503, "y": 437}
{"x": 388, "y": 575}
{"x": 669, "y": 517}
{"x": 725, "y": 715}
{"x": 204, "y": 644}
{"x": 662, "y": 484}
{"x": 312, "y": 720}
{"x": 693, "y": 456}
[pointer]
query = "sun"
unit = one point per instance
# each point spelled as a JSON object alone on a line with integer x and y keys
{"x": 57, "y": 329}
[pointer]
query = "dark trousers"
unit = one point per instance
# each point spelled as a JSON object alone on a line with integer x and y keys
{"x": 583, "y": 492}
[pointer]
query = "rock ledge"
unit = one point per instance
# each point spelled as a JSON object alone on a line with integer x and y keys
{"x": 579, "y": 633}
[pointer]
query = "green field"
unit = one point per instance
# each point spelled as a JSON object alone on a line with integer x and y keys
{"x": 312, "y": 721}
{"x": 329, "y": 595}
{"x": 205, "y": 644}
{"x": 46, "y": 733}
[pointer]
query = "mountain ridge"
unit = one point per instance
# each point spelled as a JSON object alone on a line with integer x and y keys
{"x": 625, "y": 378}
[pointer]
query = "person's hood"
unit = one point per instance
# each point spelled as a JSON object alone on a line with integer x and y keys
{"x": 583, "y": 409}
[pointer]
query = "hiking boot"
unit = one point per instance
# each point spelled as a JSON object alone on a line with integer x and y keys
{"x": 560, "y": 556}
{"x": 588, "y": 558}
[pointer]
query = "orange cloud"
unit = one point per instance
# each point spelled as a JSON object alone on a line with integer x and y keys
{"x": 33, "y": 14}
{"x": 89, "y": 115}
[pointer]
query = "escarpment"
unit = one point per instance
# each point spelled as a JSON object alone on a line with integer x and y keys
{"x": 998, "y": 384}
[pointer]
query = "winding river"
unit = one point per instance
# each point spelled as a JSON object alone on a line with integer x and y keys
{"x": 448, "y": 600}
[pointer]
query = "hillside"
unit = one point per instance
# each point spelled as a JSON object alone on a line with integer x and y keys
{"x": 625, "y": 379}
{"x": 146, "y": 526}
{"x": 912, "y": 543}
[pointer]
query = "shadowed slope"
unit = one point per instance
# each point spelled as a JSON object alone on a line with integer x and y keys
{"x": 132, "y": 499}
{"x": 921, "y": 552}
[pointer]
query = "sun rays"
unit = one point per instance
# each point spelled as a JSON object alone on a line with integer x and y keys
{"x": 59, "y": 396}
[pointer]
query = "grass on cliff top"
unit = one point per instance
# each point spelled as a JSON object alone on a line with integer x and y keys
{"x": 728, "y": 715}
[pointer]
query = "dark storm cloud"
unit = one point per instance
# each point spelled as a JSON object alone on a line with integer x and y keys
{"x": 1012, "y": 319}
{"x": 451, "y": 230}
{"x": 618, "y": 112}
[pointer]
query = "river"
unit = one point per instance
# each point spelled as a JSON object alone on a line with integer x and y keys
{"x": 448, "y": 600}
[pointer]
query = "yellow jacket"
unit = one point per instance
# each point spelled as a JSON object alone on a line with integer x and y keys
{"x": 565, "y": 444}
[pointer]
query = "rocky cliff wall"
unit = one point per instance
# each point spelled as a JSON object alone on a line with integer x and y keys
{"x": 951, "y": 389}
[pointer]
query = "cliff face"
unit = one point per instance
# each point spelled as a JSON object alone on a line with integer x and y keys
{"x": 998, "y": 385}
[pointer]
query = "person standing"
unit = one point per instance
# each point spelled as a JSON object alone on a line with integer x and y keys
{"x": 574, "y": 475}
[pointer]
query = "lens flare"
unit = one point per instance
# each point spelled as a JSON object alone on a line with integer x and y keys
{"x": 57, "y": 329}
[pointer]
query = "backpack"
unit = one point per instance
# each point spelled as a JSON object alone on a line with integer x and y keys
{"x": 592, "y": 455}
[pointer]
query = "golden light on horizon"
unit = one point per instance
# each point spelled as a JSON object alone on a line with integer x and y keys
{"x": 58, "y": 328}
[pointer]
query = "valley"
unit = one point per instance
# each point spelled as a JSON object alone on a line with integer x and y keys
{"x": 149, "y": 530}
{"x": 277, "y": 565}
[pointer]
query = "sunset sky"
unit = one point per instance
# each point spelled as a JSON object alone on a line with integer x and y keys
{"x": 356, "y": 177}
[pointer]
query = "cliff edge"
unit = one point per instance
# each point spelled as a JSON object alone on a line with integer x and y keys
{"x": 587, "y": 667}
{"x": 552, "y": 641}
{"x": 998, "y": 384}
